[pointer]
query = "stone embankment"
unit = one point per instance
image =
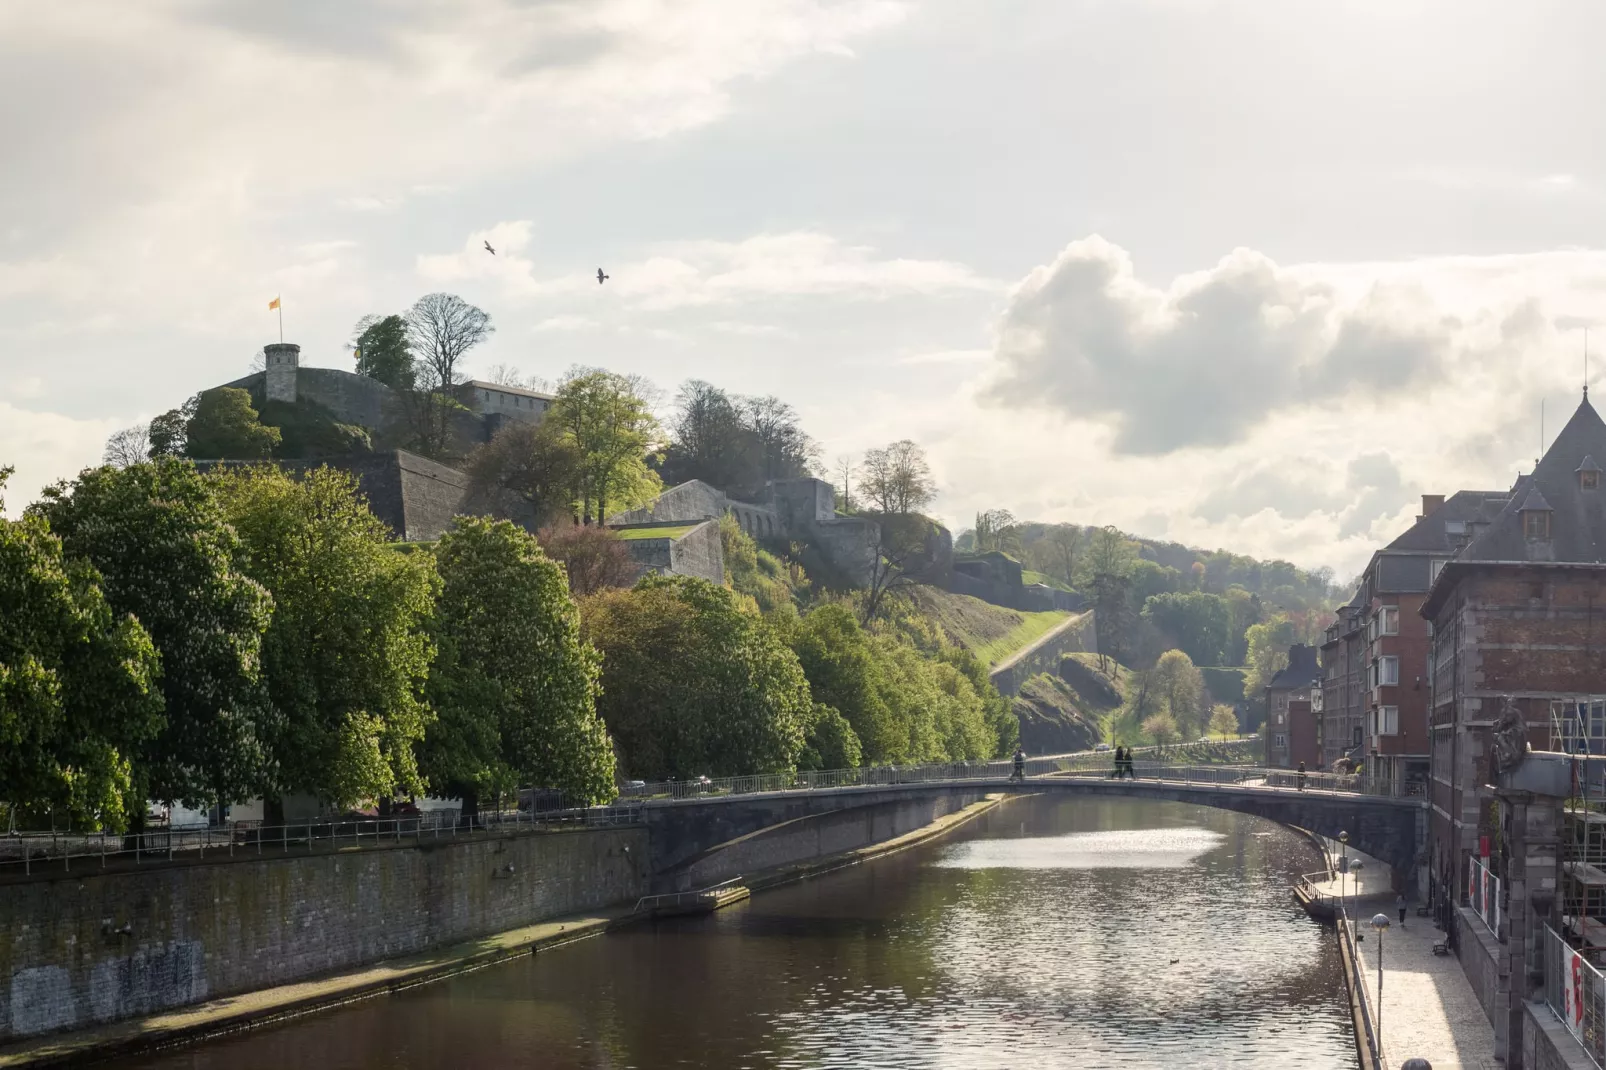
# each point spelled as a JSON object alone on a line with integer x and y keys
{"x": 105, "y": 962}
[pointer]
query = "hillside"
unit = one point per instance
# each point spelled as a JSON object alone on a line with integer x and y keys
{"x": 1069, "y": 712}
{"x": 990, "y": 632}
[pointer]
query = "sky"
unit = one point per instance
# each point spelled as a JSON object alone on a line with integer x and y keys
{"x": 1239, "y": 274}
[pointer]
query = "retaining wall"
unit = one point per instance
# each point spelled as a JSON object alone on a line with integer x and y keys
{"x": 1074, "y": 636}
{"x": 81, "y": 950}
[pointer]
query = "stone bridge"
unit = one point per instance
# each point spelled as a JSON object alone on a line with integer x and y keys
{"x": 705, "y": 840}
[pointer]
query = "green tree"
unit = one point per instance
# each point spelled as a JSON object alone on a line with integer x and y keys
{"x": 1181, "y": 690}
{"x": 515, "y": 686}
{"x": 1268, "y": 644}
{"x": 844, "y": 673}
{"x": 1161, "y": 728}
{"x": 609, "y": 419}
{"x": 831, "y": 742}
{"x": 537, "y": 465}
{"x": 226, "y": 427}
{"x": 383, "y": 351}
{"x": 695, "y": 684}
{"x": 167, "y": 431}
{"x": 1200, "y": 624}
{"x": 997, "y": 711}
{"x": 347, "y": 654}
{"x": 1224, "y": 721}
{"x": 78, "y": 694}
{"x": 167, "y": 556}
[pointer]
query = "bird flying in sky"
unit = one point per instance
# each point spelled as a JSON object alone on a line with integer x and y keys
{"x": 489, "y": 249}
{"x": 601, "y": 278}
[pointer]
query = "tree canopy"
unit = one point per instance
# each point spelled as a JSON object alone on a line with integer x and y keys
{"x": 227, "y": 426}
{"x": 695, "y": 684}
{"x": 608, "y": 418}
{"x": 515, "y": 686}
{"x": 383, "y": 348}
{"x": 78, "y": 693}
{"x": 167, "y": 555}
{"x": 347, "y": 653}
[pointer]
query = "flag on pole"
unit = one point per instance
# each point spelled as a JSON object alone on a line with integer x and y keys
{"x": 273, "y": 304}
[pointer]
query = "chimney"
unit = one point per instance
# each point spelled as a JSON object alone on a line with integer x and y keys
{"x": 283, "y": 359}
{"x": 1430, "y": 502}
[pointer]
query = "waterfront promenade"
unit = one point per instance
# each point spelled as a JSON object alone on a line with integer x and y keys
{"x": 1429, "y": 1008}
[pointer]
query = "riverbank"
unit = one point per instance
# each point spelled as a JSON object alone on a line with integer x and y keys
{"x": 279, "y": 1003}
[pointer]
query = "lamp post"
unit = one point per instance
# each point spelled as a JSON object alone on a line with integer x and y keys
{"x": 1380, "y": 922}
{"x": 1343, "y": 873}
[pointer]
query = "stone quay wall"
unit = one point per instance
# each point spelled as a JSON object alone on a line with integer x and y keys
{"x": 77, "y": 951}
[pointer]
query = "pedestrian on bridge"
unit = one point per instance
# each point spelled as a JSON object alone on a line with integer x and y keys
{"x": 1120, "y": 757}
{"x": 1301, "y": 776}
{"x": 1020, "y": 765}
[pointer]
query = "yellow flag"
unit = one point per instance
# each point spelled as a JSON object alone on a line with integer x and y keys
{"x": 273, "y": 304}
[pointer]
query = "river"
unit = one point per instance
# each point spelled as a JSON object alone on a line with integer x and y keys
{"x": 1046, "y": 934}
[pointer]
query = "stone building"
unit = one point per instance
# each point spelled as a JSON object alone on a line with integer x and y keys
{"x": 1291, "y": 730}
{"x": 802, "y": 510}
{"x": 365, "y": 402}
{"x": 1514, "y": 619}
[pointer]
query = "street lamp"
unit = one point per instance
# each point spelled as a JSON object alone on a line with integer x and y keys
{"x": 1380, "y": 922}
{"x": 1343, "y": 872}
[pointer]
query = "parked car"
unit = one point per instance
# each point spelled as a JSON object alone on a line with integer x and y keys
{"x": 1100, "y": 748}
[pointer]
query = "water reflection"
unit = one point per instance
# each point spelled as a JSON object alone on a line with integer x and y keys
{"x": 1115, "y": 933}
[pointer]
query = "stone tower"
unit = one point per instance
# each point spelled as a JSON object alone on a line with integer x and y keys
{"x": 283, "y": 359}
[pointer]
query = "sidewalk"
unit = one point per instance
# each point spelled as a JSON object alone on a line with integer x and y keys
{"x": 1429, "y": 1009}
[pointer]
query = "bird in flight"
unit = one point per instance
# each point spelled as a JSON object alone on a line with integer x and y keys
{"x": 601, "y": 278}
{"x": 489, "y": 249}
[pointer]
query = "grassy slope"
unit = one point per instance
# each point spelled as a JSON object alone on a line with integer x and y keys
{"x": 990, "y": 632}
{"x": 655, "y": 533}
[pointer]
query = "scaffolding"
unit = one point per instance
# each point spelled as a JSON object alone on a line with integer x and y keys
{"x": 1578, "y": 728}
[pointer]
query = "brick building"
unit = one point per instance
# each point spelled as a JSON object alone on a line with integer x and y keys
{"x": 1343, "y": 711}
{"x": 1291, "y": 731}
{"x": 1514, "y": 617}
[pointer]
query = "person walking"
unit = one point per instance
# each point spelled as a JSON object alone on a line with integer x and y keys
{"x": 1399, "y": 904}
{"x": 1120, "y": 757}
{"x": 1301, "y": 776}
{"x": 1020, "y": 765}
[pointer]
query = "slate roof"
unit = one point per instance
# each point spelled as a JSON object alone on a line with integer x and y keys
{"x": 1429, "y": 534}
{"x": 1302, "y": 668}
{"x": 1578, "y": 526}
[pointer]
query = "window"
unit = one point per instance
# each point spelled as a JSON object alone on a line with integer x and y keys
{"x": 1536, "y": 524}
{"x": 1386, "y": 672}
{"x": 1588, "y": 480}
{"x": 1388, "y": 620}
{"x": 1388, "y": 720}
{"x": 1357, "y": 741}
{"x": 1282, "y": 718}
{"x": 1280, "y": 742}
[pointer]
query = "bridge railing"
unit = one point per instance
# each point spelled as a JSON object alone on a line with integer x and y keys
{"x": 47, "y": 853}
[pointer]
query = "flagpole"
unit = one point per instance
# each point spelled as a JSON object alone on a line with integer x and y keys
{"x": 281, "y": 318}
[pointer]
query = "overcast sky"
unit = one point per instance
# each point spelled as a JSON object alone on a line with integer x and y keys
{"x": 1244, "y": 274}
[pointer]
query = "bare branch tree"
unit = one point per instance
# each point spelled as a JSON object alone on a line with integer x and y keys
{"x": 130, "y": 446}
{"x": 845, "y": 467}
{"x": 897, "y": 478}
{"x": 442, "y": 328}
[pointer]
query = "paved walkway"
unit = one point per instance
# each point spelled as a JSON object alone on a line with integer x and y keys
{"x": 1429, "y": 1008}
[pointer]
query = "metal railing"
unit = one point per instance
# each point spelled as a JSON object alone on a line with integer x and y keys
{"x": 62, "y": 852}
{"x": 1484, "y": 894}
{"x": 538, "y": 809}
{"x": 1369, "y": 1004}
{"x": 1576, "y": 994}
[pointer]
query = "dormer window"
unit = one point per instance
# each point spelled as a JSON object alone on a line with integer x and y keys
{"x": 1588, "y": 474}
{"x": 1536, "y": 514}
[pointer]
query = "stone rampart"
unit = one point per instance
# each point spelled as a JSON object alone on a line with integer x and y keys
{"x": 1076, "y": 635}
{"x": 82, "y": 950}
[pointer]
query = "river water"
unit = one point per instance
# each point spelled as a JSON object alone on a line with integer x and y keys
{"x": 1047, "y": 934}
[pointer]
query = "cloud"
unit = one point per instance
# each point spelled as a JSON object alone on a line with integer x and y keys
{"x": 1203, "y": 361}
{"x": 43, "y": 447}
{"x": 695, "y": 274}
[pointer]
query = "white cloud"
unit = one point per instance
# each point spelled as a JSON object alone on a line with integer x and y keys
{"x": 45, "y": 447}
{"x": 681, "y": 275}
